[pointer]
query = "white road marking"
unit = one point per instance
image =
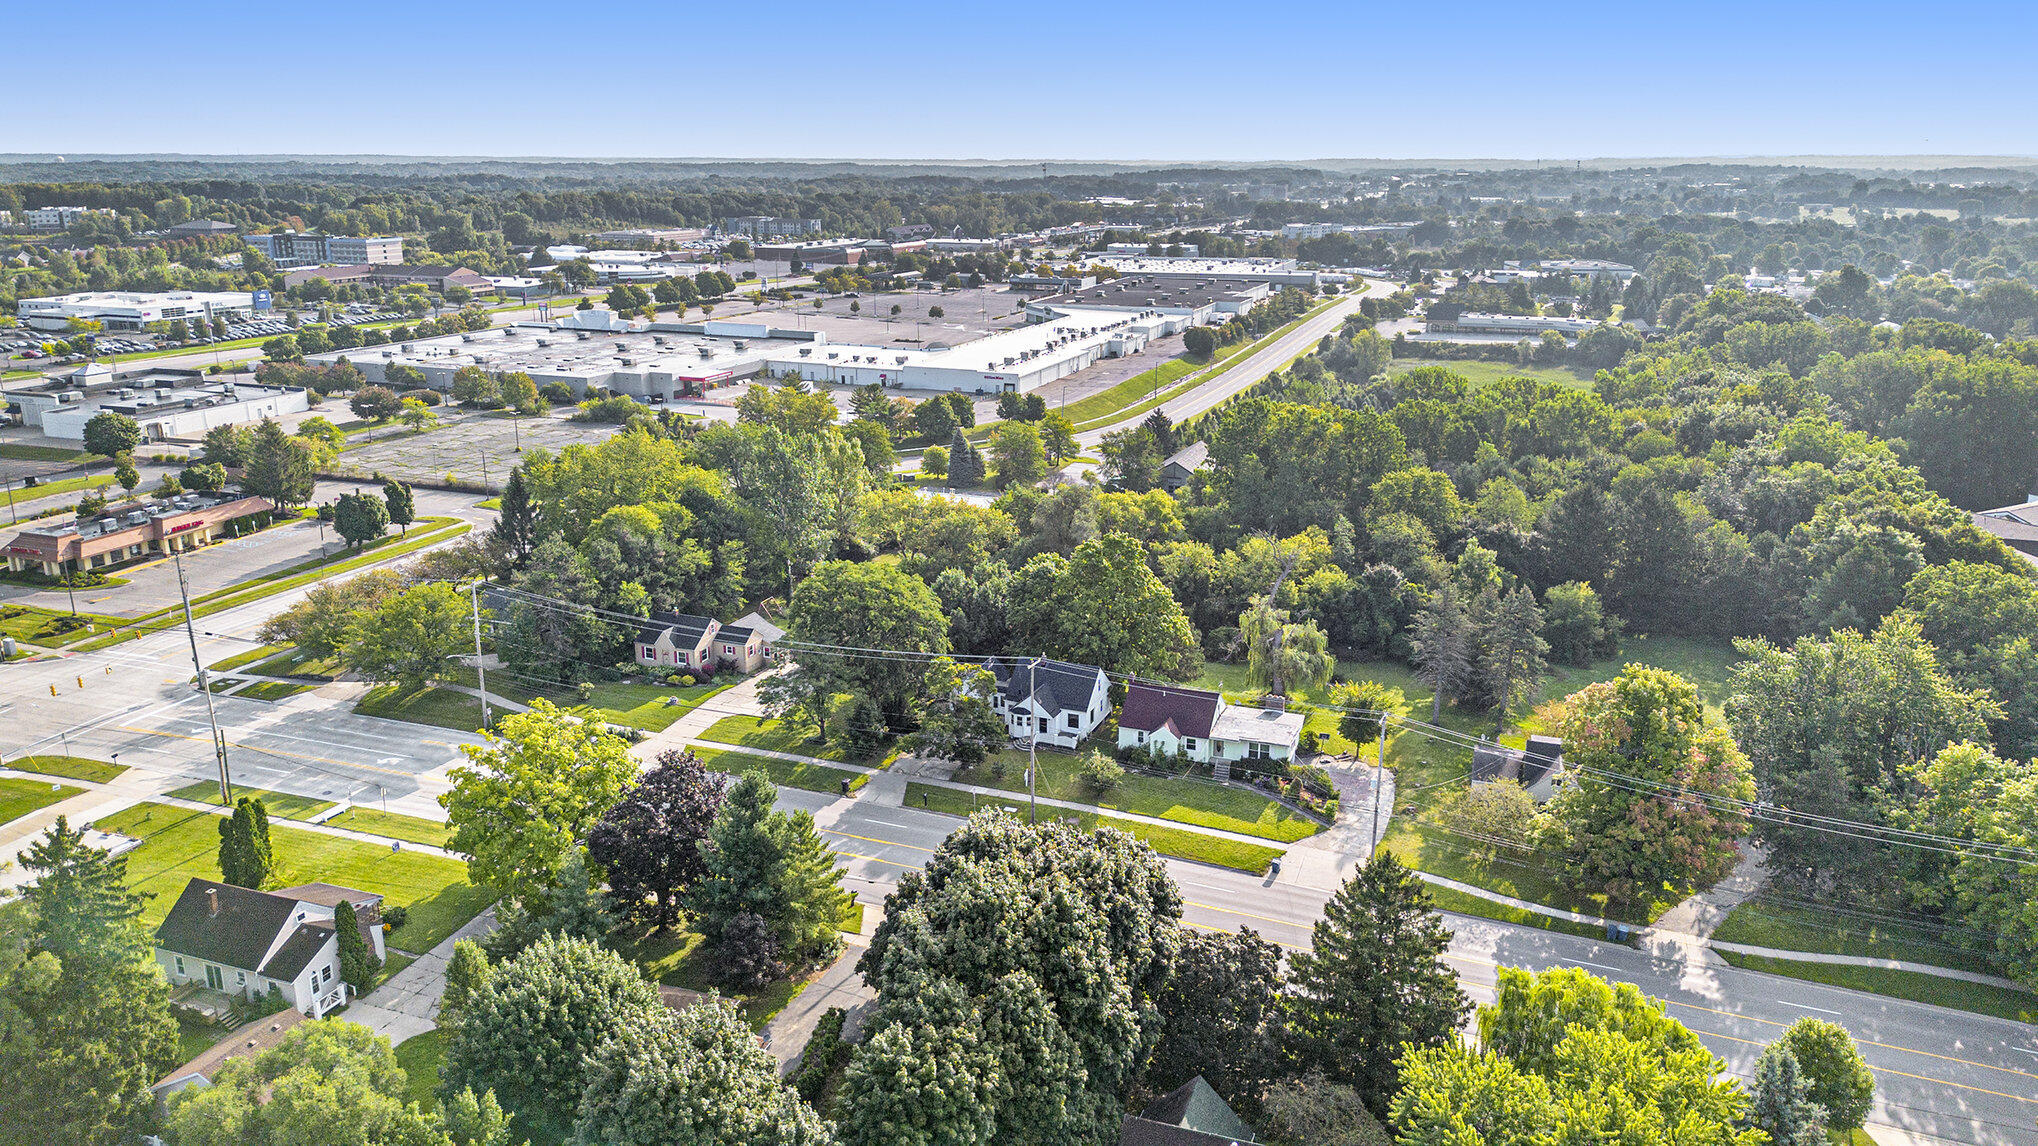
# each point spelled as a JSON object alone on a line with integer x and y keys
{"x": 1806, "y": 1007}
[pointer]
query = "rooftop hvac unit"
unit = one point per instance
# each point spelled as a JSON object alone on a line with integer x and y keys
{"x": 543, "y": 343}
{"x": 407, "y": 348}
{"x": 466, "y": 338}
{"x": 622, "y": 346}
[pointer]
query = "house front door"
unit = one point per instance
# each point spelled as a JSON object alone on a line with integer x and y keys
{"x": 213, "y": 978}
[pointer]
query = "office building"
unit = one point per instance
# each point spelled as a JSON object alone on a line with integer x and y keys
{"x": 839, "y": 252}
{"x": 769, "y": 227}
{"x": 377, "y": 274}
{"x": 60, "y": 218}
{"x": 133, "y": 310}
{"x": 649, "y": 237}
{"x": 166, "y": 404}
{"x": 1520, "y": 325}
{"x": 1275, "y": 272}
{"x": 1588, "y": 269}
{"x": 309, "y": 248}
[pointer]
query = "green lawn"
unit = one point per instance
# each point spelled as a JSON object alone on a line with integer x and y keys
{"x": 1762, "y": 923}
{"x": 629, "y": 704}
{"x": 1167, "y": 841}
{"x": 644, "y": 705}
{"x": 1980, "y": 998}
{"x": 784, "y": 773}
{"x": 428, "y": 705}
{"x": 420, "y": 1056}
{"x": 62, "y": 486}
{"x": 1203, "y": 803}
{"x": 180, "y": 845}
{"x": 273, "y": 690}
{"x": 69, "y": 767}
{"x": 789, "y": 735}
{"x": 1480, "y": 373}
{"x": 241, "y": 659}
{"x": 395, "y": 825}
{"x": 678, "y": 959}
{"x": 51, "y": 627}
{"x": 194, "y": 1039}
{"x": 19, "y": 796}
{"x": 16, "y": 452}
{"x": 1465, "y": 903}
{"x": 281, "y": 805}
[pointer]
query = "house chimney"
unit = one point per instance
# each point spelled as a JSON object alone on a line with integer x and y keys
{"x": 1274, "y": 702}
{"x": 212, "y": 902}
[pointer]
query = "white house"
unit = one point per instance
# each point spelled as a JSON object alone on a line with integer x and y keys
{"x": 1203, "y": 726}
{"x": 239, "y": 941}
{"x": 1065, "y": 701}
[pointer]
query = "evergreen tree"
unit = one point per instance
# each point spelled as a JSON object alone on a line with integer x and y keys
{"x": 358, "y": 963}
{"x": 1515, "y": 654}
{"x": 85, "y": 1011}
{"x": 1442, "y": 638}
{"x": 467, "y": 972}
{"x": 402, "y": 504}
{"x": 965, "y": 462}
{"x": 772, "y": 865}
{"x": 1778, "y": 1104}
{"x": 1373, "y": 983}
{"x": 278, "y": 466}
{"x": 1835, "y": 1076}
{"x": 515, "y": 531}
{"x": 245, "y": 857}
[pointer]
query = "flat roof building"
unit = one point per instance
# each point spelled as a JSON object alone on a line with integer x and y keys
{"x": 1278, "y": 272}
{"x": 648, "y": 236}
{"x": 842, "y": 252}
{"x": 307, "y": 248}
{"x": 1199, "y": 300}
{"x": 165, "y": 407}
{"x": 1060, "y": 344}
{"x": 377, "y": 274}
{"x": 132, "y": 310}
{"x": 184, "y": 522}
{"x": 59, "y": 218}
{"x": 769, "y": 226}
{"x": 1524, "y": 325}
{"x": 1588, "y": 268}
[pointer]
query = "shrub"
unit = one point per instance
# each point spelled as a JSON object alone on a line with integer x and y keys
{"x": 826, "y": 1053}
{"x": 586, "y": 690}
{"x": 686, "y": 680}
{"x": 557, "y": 393}
{"x": 428, "y": 396}
{"x": 1100, "y": 772}
{"x": 396, "y": 916}
{"x": 613, "y": 411}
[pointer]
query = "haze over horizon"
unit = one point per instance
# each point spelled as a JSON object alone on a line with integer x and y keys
{"x": 917, "y": 82}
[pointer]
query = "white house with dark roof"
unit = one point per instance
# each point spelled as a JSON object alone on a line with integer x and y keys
{"x": 1204, "y": 727}
{"x": 239, "y": 941}
{"x": 677, "y": 641}
{"x": 1064, "y": 701}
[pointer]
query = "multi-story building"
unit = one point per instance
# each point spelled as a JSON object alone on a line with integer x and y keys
{"x": 769, "y": 226}
{"x": 59, "y": 218}
{"x": 309, "y": 248}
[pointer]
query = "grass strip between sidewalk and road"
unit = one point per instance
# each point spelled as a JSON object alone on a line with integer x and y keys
{"x": 1916, "y": 986}
{"x": 69, "y": 767}
{"x": 20, "y": 795}
{"x": 784, "y": 773}
{"x": 1175, "y": 842}
{"x": 1759, "y": 922}
{"x": 1465, "y": 903}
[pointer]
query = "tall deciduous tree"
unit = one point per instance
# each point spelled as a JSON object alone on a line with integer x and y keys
{"x": 957, "y": 723}
{"x": 648, "y": 844}
{"x": 848, "y": 605}
{"x": 1373, "y": 983}
{"x": 1017, "y": 980}
{"x": 529, "y": 795}
{"x": 1651, "y": 801}
{"x": 528, "y": 1030}
{"x": 1020, "y": 456}
{"x": 697, "y": 1076}
{"x": 773, "y": 865}
{"x": 1283, "y": 655}
{"x": 1103, "y": 606}
{"x": 1835, "y": 1076}
{"x": 360, "y": 517}
{"x": 1220, "y": 1018}
{"x": 112, "y": 434}
{"x": 84, "y": 1010}
{"x": 410, "y": 638}
{"x": 400, "y": 503}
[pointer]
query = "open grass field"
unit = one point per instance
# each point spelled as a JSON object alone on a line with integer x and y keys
{"x": 1481, "y": 374}
{"x": 19, "y": 796}
{"x": 1202, "y": 803}
{"x": 15, "y": 451}
{"x": 789, "y": 735}
{"x": 784, "y": 773}
{"x": 51, "y": 627}
{"x": 428, "y": 705}
{"x": 69, "y": 767}
{"x": 1764, "y": 922}
{"x": 179, "y": 845}
{"x": 1167, "y": 841}
{"x": 1980, "y": 998}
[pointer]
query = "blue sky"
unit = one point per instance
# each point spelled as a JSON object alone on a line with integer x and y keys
{"x": 1112, "y": 80}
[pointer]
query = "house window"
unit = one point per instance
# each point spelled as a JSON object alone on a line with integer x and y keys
{"x": 326, "y": 976}
{"x": 1142, "y": 738}
{"x": 1188, "y": 744}
{"x": 180, "y": 964}
{"x": 1073, "y": 718}
{"x": 240, "y": 978}
{"x": 213, "y": 978}
{"x": 1254, "y": 750}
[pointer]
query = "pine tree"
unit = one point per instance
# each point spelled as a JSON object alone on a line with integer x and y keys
{"x": 1373, "y": 983}
{"x": 466, "y": 972}
{"x": 1442, "y": 637}
{"x": 965, "y": 462}
{"x": 245, "y": 856}
{"x": 358, "y": 963}
{"x": 772, "y": 865}
{"x": 1778, "y": 1104}
{"x": 1516, "y": 654}
{"x": 516, "y": 522}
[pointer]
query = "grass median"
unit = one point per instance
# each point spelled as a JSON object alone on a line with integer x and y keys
{"x": 1175, "y": 842}
{"x": 1916, "y": 986}
{"x": 784, "y": 773}
{"x": 69, "y": 767}
{"x": 790, "y": 735}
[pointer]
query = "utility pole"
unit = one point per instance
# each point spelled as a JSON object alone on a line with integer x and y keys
{"x": 1032, "y": 740}
{"x": 226, "y": 791}
{"x": 480, "y": 672}
{"x": 1378, "y": 763}
{"x": 11, "y": 515}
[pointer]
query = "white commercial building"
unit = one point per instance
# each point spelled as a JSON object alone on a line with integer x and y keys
{"x": 133, "y": 310}
{"x": 1012, "y": 360}
{"x": 162, "y": 412}
{"x": 1277, "y": 272}
{"x": 303, "y": 248}
{"x": 59, "y": 218}
{"x": 1588, "y": 268}
{"x": 1524, "y": 325}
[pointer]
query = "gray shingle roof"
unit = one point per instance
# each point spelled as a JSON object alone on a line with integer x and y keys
{"x": 1149, "y": 707}
{"x": 1057, "y": 686}
{"x": 238, "y": 935}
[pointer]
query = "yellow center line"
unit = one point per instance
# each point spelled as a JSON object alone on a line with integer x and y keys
{"x": 1474, "y": 960}
{"x": 265, "y": 751}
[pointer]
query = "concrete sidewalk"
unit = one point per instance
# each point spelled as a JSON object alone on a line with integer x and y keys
{"x": 408, "y": 1004}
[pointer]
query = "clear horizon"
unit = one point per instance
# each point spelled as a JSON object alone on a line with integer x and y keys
{"x": 914, "y": 82}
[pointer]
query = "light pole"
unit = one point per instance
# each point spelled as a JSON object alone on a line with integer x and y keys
{"x": 480, "y": 670}
{"x": 226, "y": 794}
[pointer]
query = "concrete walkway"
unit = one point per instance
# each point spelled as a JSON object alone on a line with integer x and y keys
{"x": 787, "y": 1033}
{"x": 1700, "y": 914}
{"x": 408, "y": 1004}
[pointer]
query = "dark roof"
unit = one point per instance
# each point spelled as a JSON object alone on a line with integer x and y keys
{"x": 1545, "y": 755}
{"x": 687, "y": 630}
{"x": 1148, "y": 707}
{"x": 300, "y": 949}
{"x": 737, "y": 633}
{"x": 1192, "y": 1114}
{"x": 1190, "y": 457}
{"x": 1058, "y": 686}
{"x": 207, "y": 226}
{"x": 2017, "y": 525}
{"x": 238, "y": 935}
